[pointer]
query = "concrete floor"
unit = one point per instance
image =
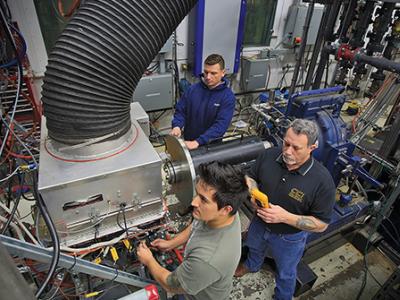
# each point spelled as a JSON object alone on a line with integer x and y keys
{"x": 340, "y": 275}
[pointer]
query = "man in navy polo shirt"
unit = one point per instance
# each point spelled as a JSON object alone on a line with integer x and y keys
{"x": 205, "y": 111}
{"x": 301, "y": 193}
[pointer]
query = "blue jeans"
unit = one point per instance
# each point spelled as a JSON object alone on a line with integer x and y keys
{"x": 285, "y": 249}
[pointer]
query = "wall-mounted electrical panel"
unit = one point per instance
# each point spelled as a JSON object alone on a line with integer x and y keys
{"x": 295, "y": 23}
{"x": 254, "y": 74}
{"x": 154, "y": 92}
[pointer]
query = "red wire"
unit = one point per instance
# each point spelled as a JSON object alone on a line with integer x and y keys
{"x": 72, "y": 8}
{"x": 94, "y": 159}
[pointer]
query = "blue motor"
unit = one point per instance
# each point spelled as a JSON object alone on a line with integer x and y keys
{"x": 334, "y": 150}
{"x": 323, "y": 107}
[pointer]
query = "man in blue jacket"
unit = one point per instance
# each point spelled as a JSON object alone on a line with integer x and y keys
{"x": 205, "y": 111}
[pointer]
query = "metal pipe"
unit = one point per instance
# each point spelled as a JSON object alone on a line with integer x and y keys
{"x": 302, "y": 49}
{"x": 27, "y": 250}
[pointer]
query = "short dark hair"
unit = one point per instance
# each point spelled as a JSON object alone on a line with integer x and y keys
{"x": 214, "y": 59}
{"x": 228, "y": 181}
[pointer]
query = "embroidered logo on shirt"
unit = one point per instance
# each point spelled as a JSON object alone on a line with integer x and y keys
{"x": 296, "y": 194}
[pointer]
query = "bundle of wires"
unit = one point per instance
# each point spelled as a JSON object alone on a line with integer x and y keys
{"x": 7, "y": 134}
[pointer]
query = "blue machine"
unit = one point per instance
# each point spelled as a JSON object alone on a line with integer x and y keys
{"x": 334, "y": 150}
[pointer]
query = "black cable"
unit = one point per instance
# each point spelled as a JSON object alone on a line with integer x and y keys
{"x": 71, "y": 268}
{"x": 30, "y": 187}
{"x": 111, "y": 287}
{"x": 283, "y": 77}
{"x": 53, "y": 234}
{"x": 269, "y": 77}
{"x": 364, "y": 281}
{"x": 159, "y": 116}
{"x": 326, "y": 74}
{"x": 123, "y": 214}
{"x": 119, "y": 225}
{"x": 390, "y": 235}
{"x": 27, "y": 198}
{"x": 394, "y": 229}
{"x": 5, "y": 7}
{"x": 14, "y": 209}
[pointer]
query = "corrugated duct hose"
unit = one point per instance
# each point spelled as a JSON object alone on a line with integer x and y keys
{"x": 97, "y": 62}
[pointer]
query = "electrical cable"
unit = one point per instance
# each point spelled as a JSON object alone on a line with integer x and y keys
{"x": 19, "y": 78}
{"x": 14, "y": 209}
{"x": 269, "y": 77}
{"x": 390, "y": 235}
{"x": 75, "y": 4}
{"x": 27, "y": 232}
{"x": 111, "y": 287}
{"x": 15, "y": 227}
{"x": 53, "y": 233}
{"x": 19, "y": 140}
{"x": 19, "y": 55}
{"x": 364, "y": 281}
{"x": 10, "y": 176}
{"x": 394, "y": 228}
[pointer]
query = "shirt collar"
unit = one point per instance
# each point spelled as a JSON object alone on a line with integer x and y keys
{"x": 304, "y": 168}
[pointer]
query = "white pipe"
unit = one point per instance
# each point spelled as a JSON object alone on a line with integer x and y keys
{"x": 20, "y": 224}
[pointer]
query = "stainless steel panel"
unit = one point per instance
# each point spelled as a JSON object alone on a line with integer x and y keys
{"x": 129, "y": 180}
{"x": 138, "y": 114}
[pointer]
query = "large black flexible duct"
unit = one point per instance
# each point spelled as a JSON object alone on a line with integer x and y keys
{"x": 97, "y": 62}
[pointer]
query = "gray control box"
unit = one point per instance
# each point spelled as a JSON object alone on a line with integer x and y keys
{"x": 253, "y": 74}
{"x": 154, "y": 92}
{"x": 295, "y": 23}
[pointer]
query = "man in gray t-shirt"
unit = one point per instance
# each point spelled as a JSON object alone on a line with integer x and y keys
{"x": 213, "y": 239}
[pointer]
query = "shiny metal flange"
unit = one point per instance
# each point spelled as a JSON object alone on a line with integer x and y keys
{"x": 181, "y": 171}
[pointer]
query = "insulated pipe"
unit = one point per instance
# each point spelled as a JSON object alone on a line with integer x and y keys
{"x": 302, "y": 49}
{"x": 348, "y": 12}
{"x": 233, "y": 152}
{"x": 327, "y": 26}
{"x": 379, "y": 62}
{"x": 97, "y": 62}
{"x": 317, "y": 46}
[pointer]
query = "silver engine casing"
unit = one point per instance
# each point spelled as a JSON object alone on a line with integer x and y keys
{"x": 87, "y": 199}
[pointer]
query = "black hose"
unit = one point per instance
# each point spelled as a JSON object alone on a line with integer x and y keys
{"x": 97, "y": 62}
{"x": 53, "y": 234}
